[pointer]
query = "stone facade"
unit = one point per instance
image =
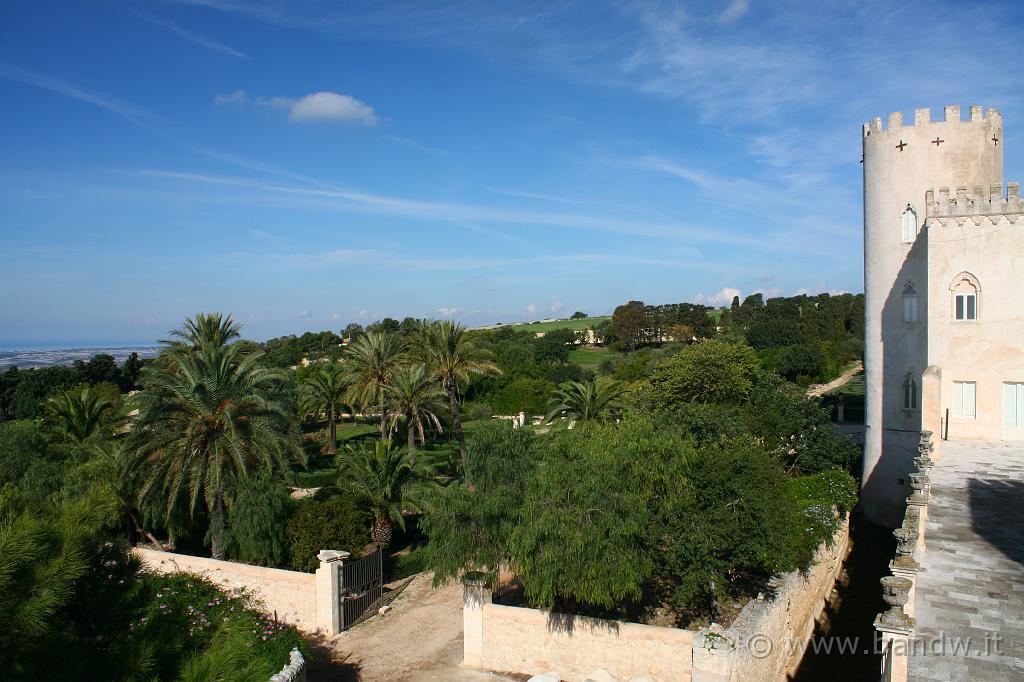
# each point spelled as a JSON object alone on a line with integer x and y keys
{"x": 290, "y": 595}
{"x": 936, "y": 223}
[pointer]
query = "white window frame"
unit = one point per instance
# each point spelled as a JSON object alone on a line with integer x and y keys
{"x": 909, "y": 309}
{"x": 908, "y": 394}
{"x": 908, "y": 225}
{"x": 965, "y": 399}
{"x": 965, "y": 307}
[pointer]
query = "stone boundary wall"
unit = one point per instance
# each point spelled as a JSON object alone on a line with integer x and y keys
{"x": 765, "y": 644}
{"x": 289, "y": 594}
{"x": 772, "y": 635}
{"x": 530, "y": 641}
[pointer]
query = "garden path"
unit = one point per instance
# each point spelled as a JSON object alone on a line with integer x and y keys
{"x": 418, "y": 639}
{"x": 819, "y": 390}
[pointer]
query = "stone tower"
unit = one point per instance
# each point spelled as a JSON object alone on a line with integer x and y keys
{"x": 901, "y": 163}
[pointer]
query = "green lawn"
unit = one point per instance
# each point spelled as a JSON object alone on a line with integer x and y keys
{"x": 585, "y": 323}
{"x": 589, "y": 358}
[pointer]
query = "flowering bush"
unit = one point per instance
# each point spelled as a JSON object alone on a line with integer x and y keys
{"x": 189, "y": 616}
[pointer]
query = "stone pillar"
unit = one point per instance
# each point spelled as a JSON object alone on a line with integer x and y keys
{"x": 328, "y": 590}
{"x": 475, "y": 596}
{"x": 896, "y": 628}
{"x": 713, "y": 652}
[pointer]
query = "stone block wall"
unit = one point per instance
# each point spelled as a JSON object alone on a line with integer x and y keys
{"x": 289, "y": 594}
{"x": 771, "y": 635}
{"x": 529, "y": 641}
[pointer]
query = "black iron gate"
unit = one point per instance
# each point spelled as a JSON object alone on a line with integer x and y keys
{"x": 362, "y": 587}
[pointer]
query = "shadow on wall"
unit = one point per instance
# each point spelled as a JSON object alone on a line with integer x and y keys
{"x": 904, "y": 353}
{"x": 851, "y": 609}
{"x": 997, "y": 507}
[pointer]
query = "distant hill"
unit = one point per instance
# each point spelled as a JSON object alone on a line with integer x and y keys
{"x": 551, "y": 325}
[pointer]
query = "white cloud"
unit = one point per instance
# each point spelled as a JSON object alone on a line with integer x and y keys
{"x": 363, "y": 313}
{"x": 735, "y": 10}
{"x": 335, "y": 317}
{"x": 448, "y": 312}
{"x": 774, "y": 292}
{"x": 238, "y": 97}
{"x": 305, "y": 313}
{"x": 531, "y": 309}
{"x": 332, "y": 106}
{"x": 723, "y": 297}
{"x": 556, "y": 307}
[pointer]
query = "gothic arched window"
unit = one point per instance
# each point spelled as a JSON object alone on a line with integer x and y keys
{"x": 908, "y": 224}
{"x": 909, "y": 393}
{"x": 909, "y": 304}
{"x": 966, "y": 293}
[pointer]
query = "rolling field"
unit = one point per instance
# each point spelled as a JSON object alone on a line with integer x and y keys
{"x": 574, "y": 325}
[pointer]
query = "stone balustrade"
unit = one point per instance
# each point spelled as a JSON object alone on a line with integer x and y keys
{"x": 896, "y": 625}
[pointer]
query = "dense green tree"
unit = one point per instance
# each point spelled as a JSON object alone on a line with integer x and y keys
{"x": 554, "y": 346}
{"x": 734, "y": 526}
{"x": 709, "y": 371}
{"x": 522, "y": 394}
{"x": 353, "y": 331}
{"x": 578, "y": 315}
{"x": 325, "y": 390}
{"x": 205, "y": 421}
{"x": 373, "y": 359}
{"x": 453, "y": 357}
{"x": 595, "y": 399}
{"x": 256, "y": 521}
{"x": 384, "y": 481}
{"x": 334, "y": 523}
{"x": 628, "y": 322}
{"x": 100, "y": 367}
{"x": 587, "y": 531}
{"x": 35, "y": 386}
{"x": 801, "y": 360}
{"x": 130, "y": 371}
{"x": 388, "y": 325}
{"x": 471, "y": 529}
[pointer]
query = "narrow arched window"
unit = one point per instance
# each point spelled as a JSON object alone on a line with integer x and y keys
{"x": 966, "y": 294}
{"x": 909, "y": 304}
{"x": 909, "y": 393}
{"x": 908, "y": 224}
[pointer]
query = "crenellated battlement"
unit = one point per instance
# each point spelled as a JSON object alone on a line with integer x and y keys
{"x": 923, "y": 117}
{"x": 976, "y": 201}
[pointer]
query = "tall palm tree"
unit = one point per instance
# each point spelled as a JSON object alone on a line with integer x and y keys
{"x": 452, "y": 357}
{"x": 414, "y": 397}
{"x": 374, "y": 358}
{"x": 80, "y": 415}
{"x": 584, "y": 401}
{"x": 383, "y": 481}
{"x": 206, "y": 420}
{"x": 325, "y": 391}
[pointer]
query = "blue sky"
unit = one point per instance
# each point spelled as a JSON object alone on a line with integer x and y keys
{"x": 304, "y": 165}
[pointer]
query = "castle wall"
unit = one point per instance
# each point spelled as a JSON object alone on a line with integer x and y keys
{"x": 901, "y": 162}
{"x": 979, "y": 233}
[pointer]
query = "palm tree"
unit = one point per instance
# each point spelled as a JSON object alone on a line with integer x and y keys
{"x": 584, "y": 401}
{"x": 452, "y": 358}
{"x": 415, "y": 398}
{"x": 206, "y": 420}
{"x": 374, "y": 358}
{"x": 325, "y": 391}
{"x": 384, "y": 481}
{"x": 80, "y": 415}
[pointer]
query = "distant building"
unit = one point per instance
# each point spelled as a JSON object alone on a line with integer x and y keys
{"x": 943, "y": 266}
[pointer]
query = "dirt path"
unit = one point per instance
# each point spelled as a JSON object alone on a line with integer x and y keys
{"x": 819, "y": 390}
{"x": 419, "y": 638}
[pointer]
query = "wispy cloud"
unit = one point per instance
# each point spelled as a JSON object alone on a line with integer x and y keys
{"x": 62, "y": 87}
{"x": 331, "y": 107}
{"x": 192, "y": 37}
{"x": 238, "y": 97}
{"x": 734, "y": 10}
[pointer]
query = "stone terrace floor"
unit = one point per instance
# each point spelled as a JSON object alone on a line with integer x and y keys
{"x": 971, "y": 583}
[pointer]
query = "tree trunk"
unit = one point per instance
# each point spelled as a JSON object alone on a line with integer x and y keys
{"x": 332, "y": 441}
{"x": 453, "y": 402}
{"x": 217, "y": 525}
{"x": 383, "y": 421}
{"x": 381, "y": 531}
{"x": 411, "y": 437}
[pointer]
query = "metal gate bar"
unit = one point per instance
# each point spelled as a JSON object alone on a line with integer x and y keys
{"x": 362, "y": 587}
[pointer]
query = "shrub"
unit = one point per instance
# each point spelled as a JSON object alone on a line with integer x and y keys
{"x": 824, "y": 498}
{"x": 522, "y": 394}
{"x": 333, "y": 523}
{"x": 256, "y": 521}
{"x": 478, "y": 411}
{"x": 734, "y": 526}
